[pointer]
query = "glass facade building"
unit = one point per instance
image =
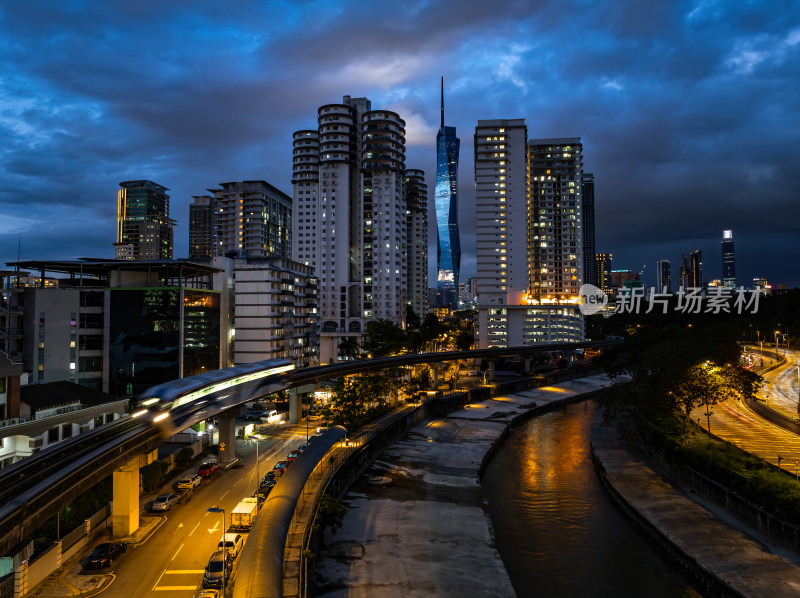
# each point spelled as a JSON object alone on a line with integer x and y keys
{"x": 160, "y": 334}
{"x": 448, "y": 252}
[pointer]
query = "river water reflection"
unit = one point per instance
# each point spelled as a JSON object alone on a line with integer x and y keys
{"x": 556, "y": 529}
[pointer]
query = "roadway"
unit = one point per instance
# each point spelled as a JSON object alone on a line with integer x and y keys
{"x": 734, "y": 421}
{"x": 781, "y": 384}
{"x": 171, "y": 562}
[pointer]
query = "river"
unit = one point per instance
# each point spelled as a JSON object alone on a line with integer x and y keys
{"x": 556, "y": 529}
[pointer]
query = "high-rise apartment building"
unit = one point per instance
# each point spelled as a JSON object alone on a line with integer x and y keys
{"x": 448, "y": 252}
{"x": 251, "y": 218}
{"x": 351, "y": 217}
{"x": 589, "y": 264}
{"x": 692, "y": 270}
{"x": 555, "y": 169}
{"x": 144, "y": 228}
{"x": 728, "y": 261}
{"x": 416, "y": 197}
{"x": 663, "y": 276}
{"x": 201, "y": 227}
{"x": 603, "y": 262}
{"x": 528, "y": 235}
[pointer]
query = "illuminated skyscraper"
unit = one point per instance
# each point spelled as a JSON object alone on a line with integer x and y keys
{"x": 692, "y": 270}
{"x": 416, "y": 196}
{"x": 448, "y": 252}
{"x": 144, "y": 228}
{"x": 728, "y": 262}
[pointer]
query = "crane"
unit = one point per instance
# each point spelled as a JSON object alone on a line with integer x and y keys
{"x": 641, "y": 274}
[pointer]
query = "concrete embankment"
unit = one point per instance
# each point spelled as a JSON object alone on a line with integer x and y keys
{"x": 417, "y": 523}
{"x": 725, "y": 560}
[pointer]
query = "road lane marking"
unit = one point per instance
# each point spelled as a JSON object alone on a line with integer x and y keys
{"x": 184, "y": 571}
{"x": 174, "y": 588}
{"x": 159, "y": 579}
{"x": 195, "y": 527}
{"x": 176, "y": 552}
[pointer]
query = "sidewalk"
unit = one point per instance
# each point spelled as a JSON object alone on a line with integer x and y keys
{"x": 723, "y": 553}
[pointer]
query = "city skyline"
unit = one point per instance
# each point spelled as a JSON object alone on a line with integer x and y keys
{"x": 685, "y": 130}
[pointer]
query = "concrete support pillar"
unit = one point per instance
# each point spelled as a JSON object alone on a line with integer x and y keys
{"x": 435, "y": 369}
{"x": 21, "y": 579}
{"x": 490, "y": 375}
{"x": 227, "y": 436}
{"x": 527, "y": 362}
{"x": 125, "y": 510}
{"x": 295, "y": 406}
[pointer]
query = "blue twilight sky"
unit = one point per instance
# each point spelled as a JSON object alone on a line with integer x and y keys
{"x": 689, "y": 110}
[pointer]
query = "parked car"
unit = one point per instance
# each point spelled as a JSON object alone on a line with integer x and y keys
{"x": 206, "y": 594}
{"x": 292, "y": 456}
{"x": 233, "y": 543}
{"x": 164, "y": 502}
{"x": 193, "y": 481}
{"x": 302, "y": 447}
{"x": 219, "y": 567}
{"x": 280, "y": 467}
{"x": 270, "y": 417}
{"x": 208, "y": 469}
{"x": 269, "y": 480}
{"x": 104, "y": 554}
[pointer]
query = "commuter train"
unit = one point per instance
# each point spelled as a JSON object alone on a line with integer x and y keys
{"x": 218, "y": 389}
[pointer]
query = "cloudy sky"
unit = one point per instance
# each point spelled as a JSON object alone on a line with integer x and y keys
{"x": 689, "y": 111}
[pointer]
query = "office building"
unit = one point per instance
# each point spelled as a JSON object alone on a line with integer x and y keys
{"x": 351, "y": 217}
{"x": 201, "y": 227}
{"x": 528, "y": 236}
{"x": 728, "y": 261}
{"x": 663, "y": 277}
{"x": 448, "y": 252}
{"x": 692, "y": 270}
{"x": 416, "y": 197}
{"x": 251, "y": 218}
{"x": 590, "y": 275}
{"x": 144, "y": 228}
{"x": 603, "y": 263}
{"x": 120, "y": 327}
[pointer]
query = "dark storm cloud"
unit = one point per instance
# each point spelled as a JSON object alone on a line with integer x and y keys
{"x": 687, "y": 110}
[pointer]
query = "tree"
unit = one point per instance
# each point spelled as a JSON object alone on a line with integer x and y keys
{"x": 348, "y": 347}
{"x": 383, "y": 338}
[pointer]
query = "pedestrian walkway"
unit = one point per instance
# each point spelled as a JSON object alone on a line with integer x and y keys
{"x": 697, "y": 537}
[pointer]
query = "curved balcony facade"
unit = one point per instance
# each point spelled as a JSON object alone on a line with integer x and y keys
{"x": 337, "y": 133}
{"x": 305, "y": 156}
{"x": 383, "y": 141}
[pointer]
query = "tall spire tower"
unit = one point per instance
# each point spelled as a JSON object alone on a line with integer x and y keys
{"x": 448, "y": 251}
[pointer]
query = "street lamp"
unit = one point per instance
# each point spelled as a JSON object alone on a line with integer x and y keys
{"x": 224, "y": 547}
{"x": 709, "y": 413}
{"x": 777, "y": 332}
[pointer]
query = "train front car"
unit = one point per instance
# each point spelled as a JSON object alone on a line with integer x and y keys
{"x": 184, "y": 402}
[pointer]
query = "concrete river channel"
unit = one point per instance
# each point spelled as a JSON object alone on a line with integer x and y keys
{"x": 556, "y": 529}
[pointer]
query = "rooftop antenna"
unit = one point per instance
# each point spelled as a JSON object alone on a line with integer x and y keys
{"x": 443, "y": 102}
